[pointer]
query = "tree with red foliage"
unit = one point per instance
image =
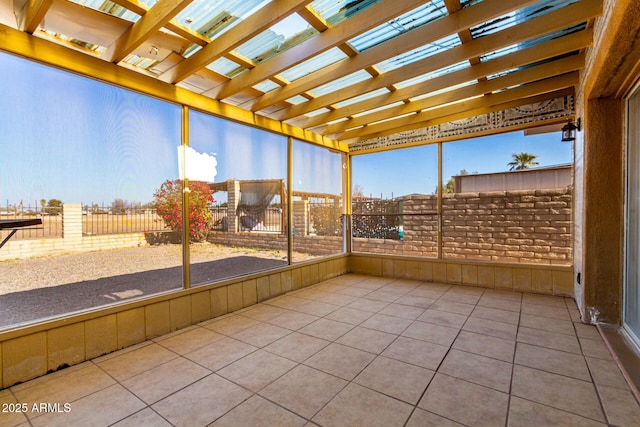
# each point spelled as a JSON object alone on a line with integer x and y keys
{"x": 169, "y": 207}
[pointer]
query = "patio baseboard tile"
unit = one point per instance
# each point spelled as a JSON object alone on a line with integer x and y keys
{"x": 304, "y": 390}
{"x": 422, "y": 418}
{"x": 568, "y": 394}
{"x": 118, "y": 402}
{"x": 259, "y": 412}
{"x": 478, "y": 369}
{"x": 465, "y": 402}
{"x": 202, "y": 402}
{"x": 357, "y": 405}
{"x": 524, "y": 413}
{"x": 557, "y": 362}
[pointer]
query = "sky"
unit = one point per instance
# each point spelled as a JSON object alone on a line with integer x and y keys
{"x": 94, "y": 143}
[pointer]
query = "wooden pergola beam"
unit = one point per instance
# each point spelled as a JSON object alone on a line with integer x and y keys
{"x": 32, "y": 15}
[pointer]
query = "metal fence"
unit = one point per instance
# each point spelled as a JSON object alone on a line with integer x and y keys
{"x": 119, "y": 219}
{"x": 377, "y": 219}
{"x": 51, "y": 219}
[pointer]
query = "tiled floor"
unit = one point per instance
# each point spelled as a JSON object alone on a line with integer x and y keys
{"x": 354, "y": 350}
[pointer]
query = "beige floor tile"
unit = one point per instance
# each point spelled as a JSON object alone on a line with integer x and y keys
{"x": 502, "y": 294}
{"x": 293, "y": 320}
{"x": 297, "y": 347}
{"x": 484, "y": 345}
{"x": 257, "y": 369}
{"x": 460, "y": 297}
{"x": 422, "y": 418}
{"x": 478, "y": 369}
{"x": 104, "y": 407}
{"x": 353, "y": 316}
{"x": 437, "y": 334}
{"x": 261, "y": 335}
{"x": 316, "y": 308}
{"x": 549, "y": 339}
{"x": 202, "y": 402}
{"x": 159, "y": 382}
{"x": 396, "y": 379}
{"x": 465, "y": 402}
{"x": 13, "y": 416}
{"x": 427, "y": 292}
{"x": 326, "y": 329}
{"x": 497, "y": 315}
{"x": 384, "y": 296}
{"x": 568, "y": 394}
{"x": 443, "y": 318}
{"x": 543, "y": 300}
{"x": 336, "y": 299}
{"x": 146, "y": 417}
{"x": 386, "y": 323}
{"x": 403, "y": 311}
{"x": 416, "y": 352}
{"x": 594, "y": 348}
{"x": 555, "y": 361}
{"x": 259, "y": 412}
{"x": 546, "y": 311}
{"x": 230, "y": 325}
{"x": 453, "y": 307}
{"x": 605, "y": 372}
{"x": 620, "y": 407}
{"x": 262, "y": 312}
{"x": 587, "y": 331}
{"x": 288, "y": 302}
{"x": 502, "y": 330}
{"x": 135, "y": 362}
{"x": 354, "y": 291}
{"x": 341, "y": 361}
{"x": 367, "y": 304}
{"x": 359, "y": 406}
{"x": 547, "y": 324}
{"x": 67, "y": 385}
{"x": 367, "y": 339}
{"x": 189, "y": 340}
{"x": 372, "y": 283}
{"x": 415, "y": 301}
{"x": 524, "y": 413}
{"x": 304, "y": 390}
{"x": 500, "y": 303}
{"x": 221, "y": 353}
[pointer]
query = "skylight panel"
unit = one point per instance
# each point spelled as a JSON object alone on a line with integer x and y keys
{"x": 362, "y": 97}
{"x": 341, "y": 83}
{"x": 416, "y": 18}
{"x": 337, "y": 11}
{"x": 316, "y": 112}
{"x": 212, "y": 19}
{"x": 444, "y": 90}
{"x": 419, "y": 53}
{"x": 313, "y": 64}
{"x": 298, "y": 99}
{"x": 226, "y": 67}
{"x": 375, "y": 110}
{"x": 284, "y": 35}
{"x": 266, "y": 86}
{"x": 110, "y": 8}
{"x": 424, "y": 77}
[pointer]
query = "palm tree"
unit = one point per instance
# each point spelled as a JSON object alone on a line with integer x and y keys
{"x": 522, "y": 161}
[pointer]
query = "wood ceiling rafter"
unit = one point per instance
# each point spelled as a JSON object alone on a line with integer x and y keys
{"x": 333, "y": 37}
{"x": 32, "y": 15}
{"x": 417, "y": 120}
{"x": 403, "y": 43}
{"x": 527, "y": 30}
{"x": 549, "y": 49}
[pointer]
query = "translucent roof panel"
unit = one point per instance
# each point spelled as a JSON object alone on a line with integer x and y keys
{"x": 111, "y": 8}
{"x": 277, "y": 39}
{"x": 212, "y": 18}
{"x": 313, "y": 64}
{"x": 362, "y": 97}
{"x": 341, "y": 83}
{"x": 419, "y": 53}
{"x": 226, "y": 67}
{"x": 429, "y": 12}
{"x": 336, "y": 11}
{"x": 513, "y": 18}
{"x": 266, "y": 86}
{"x": 533, "y": 42}
{"x": 433, "y": 74}
{"x": 298, "y": 99}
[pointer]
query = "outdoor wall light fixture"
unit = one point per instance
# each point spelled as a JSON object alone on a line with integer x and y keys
{"x": 569, "y": 130}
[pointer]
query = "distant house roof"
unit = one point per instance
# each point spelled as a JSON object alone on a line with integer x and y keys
{"x": 557, "y": 176}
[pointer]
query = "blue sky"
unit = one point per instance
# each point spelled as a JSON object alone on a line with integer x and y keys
{"x": 96, "y": 143}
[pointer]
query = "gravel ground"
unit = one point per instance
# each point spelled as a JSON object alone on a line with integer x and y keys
{"x": 38, "y": 288}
